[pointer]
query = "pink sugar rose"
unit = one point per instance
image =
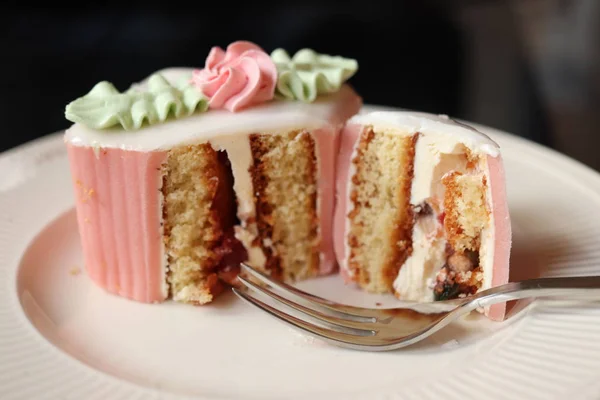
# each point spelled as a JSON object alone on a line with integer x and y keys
{"x": 237, "y": 78}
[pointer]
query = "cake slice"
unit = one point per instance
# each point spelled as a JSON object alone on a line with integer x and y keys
{"x": 191, "y": 171}
{"x": 422, "y": 210}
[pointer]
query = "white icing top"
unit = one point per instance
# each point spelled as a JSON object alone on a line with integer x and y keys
{"x": 411, "y": 122}
{"x": 274, "y": 116}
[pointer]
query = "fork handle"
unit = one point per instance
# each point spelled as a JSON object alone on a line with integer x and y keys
{"x": 577, "y": 286}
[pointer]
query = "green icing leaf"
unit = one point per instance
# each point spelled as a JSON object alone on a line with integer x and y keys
{"x": 308, "y": 74}
{"x": 104, "y": 107}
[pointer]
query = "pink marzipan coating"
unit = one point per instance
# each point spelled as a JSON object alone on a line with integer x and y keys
{"x": 502, "y": 232}
{"x": 349, "y": 136}
{"x": 117, "y": 198}
{"x": 327, "y": 145}
{"x": 326, "y": 139}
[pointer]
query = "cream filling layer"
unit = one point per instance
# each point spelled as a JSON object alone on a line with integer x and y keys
{"x": 435, "y": 155}
{"x": 417, "y": 275}
{"x": 239, "y": 153}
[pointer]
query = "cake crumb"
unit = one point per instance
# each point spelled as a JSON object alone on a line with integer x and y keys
{"x": 75, "y": 271}
{"x": 301, "y": 339}
{"x": 451, "y": 344}
{"x": 378, "y": 304}
{"x": 87, "y": 194}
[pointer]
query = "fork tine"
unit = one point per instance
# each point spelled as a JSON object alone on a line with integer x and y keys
{"x": 311, "y": 320}
{"x": 330, "y": 317}
{"x": 315, "y": 330}
{"x": 315, "y": 303}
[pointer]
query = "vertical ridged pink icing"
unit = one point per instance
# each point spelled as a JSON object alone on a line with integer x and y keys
{"x": 348, "y": 139}
{"x": 328, "y": 140}
{"x": 502, "y": 232}
{"x": 118, "y": 203}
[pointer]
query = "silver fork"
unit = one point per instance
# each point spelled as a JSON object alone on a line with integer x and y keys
{"x": 389, "y": 329}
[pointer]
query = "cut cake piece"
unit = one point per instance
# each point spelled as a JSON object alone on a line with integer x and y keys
{"x": 174, "y": 188}
{"x": 284, "y": 176}
{"x": 199, "y": 213}
{"x": 422, "y": 208}
{"x": 191, "y": 171}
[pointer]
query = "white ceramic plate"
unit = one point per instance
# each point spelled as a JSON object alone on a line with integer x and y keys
{"x": 61, "y": 337}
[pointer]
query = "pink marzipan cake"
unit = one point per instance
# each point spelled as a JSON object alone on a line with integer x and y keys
{"x": 421, "y": 208}
{"x": 194, "y": 170}
{"x": 191, "y": 171}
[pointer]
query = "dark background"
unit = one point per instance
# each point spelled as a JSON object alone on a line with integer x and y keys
{"x": 530, "y": 67}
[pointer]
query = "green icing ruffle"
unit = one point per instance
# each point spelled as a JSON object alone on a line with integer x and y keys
{"x": 308, "y": 74}
{"x": 104, "y": 107}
